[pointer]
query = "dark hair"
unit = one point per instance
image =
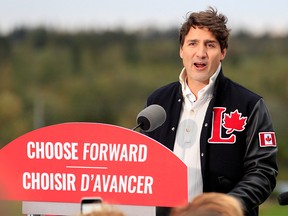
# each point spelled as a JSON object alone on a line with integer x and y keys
{"x": 210, "y": 19}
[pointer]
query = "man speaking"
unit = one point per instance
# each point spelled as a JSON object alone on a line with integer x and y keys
{"x": 222, "y": 131}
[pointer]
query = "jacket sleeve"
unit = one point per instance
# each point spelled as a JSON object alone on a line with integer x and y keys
{"x": 260, "y": 165}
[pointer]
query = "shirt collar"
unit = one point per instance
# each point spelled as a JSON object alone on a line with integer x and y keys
{"x": 206, "y": 91}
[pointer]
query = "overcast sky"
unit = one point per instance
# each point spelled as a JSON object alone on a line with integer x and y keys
{"x": 254, "y": 15}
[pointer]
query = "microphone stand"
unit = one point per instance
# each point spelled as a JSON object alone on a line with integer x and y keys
{"x": 137, "y": 126}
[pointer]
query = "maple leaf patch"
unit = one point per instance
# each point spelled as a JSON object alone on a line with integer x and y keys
{"x": 234, "y": 122}
{"x": 267, "y": 139}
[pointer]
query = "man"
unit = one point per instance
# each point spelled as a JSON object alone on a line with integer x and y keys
{"x": 222, "y": 131}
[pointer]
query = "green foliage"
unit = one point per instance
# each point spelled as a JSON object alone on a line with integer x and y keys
{"x": 50, "y": 77}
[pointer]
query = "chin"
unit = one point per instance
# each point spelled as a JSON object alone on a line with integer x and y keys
{"x": 200, "y": 78}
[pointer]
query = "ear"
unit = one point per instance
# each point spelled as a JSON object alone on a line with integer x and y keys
{"x": 223, "y": 54}
{"x": 181, "y": 52}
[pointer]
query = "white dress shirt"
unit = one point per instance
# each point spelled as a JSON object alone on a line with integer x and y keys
{"x": 187, "y": 142}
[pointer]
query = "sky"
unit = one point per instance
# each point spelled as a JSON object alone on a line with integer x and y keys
{"x": 256, "y": 16}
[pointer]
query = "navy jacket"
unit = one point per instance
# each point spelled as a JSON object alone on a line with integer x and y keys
{"x": 235, "y": 157}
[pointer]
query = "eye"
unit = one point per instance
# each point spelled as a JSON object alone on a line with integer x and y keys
{"x": 211, "y": 45}
{"x": 192, "y": 43}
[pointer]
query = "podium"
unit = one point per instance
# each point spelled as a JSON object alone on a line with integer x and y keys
{"x": 52, "y": 168}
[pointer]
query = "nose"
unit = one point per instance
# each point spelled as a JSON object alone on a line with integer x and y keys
{"x": 201, "y": 52}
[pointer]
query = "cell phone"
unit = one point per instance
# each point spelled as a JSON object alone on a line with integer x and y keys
{"x": 90, "y": 204}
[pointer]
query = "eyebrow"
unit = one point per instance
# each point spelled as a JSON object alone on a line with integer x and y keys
{"x": 210, "y": 41}
{"x": 205, "y": 41}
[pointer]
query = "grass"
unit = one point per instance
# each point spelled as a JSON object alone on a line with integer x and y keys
{"x": 272, "y": 208}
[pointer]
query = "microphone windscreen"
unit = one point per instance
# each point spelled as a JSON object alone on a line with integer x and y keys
{"x": 283, "y": 198}
{"x": 151, "y": 117}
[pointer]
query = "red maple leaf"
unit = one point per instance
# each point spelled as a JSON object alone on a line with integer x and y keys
{"x": 234, "y": 121}
{"x": 268, "y": 139}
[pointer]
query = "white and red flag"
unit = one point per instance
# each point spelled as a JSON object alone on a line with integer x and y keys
{"x": 267, "y": 139}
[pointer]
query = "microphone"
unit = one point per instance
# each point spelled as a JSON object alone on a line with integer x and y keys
{"x": 283, "y": 198}
{"x": 151, "y": 118}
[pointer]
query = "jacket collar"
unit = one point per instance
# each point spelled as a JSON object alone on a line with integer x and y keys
{"x": 219, "y": 83}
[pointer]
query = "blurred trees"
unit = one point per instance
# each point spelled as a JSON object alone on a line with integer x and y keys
{"x": 49, "y": 77}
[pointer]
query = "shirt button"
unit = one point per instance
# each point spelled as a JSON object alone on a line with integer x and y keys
{"x": 187, "y": 130}
{"x": 206, "y": 124}
{"x": 202, "y": 154}
{"x": 179, "y": 100}
{"x": 173, "y": 128}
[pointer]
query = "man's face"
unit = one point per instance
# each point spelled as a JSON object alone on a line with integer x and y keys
{"x": 201, "y": 55}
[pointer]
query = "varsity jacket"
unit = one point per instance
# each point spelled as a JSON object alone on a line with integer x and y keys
{"x": 237, "y": 143}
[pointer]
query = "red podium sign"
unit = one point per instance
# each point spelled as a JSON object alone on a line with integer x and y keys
{"x": 66, "y": 162}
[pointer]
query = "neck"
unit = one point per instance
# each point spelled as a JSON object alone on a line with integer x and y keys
{"x": 195, "y": 87}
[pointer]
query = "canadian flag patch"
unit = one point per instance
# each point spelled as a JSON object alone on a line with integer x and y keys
{"x": 267, "y": 139}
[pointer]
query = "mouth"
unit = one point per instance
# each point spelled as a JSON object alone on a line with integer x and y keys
{"x": 200, "y": 65}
